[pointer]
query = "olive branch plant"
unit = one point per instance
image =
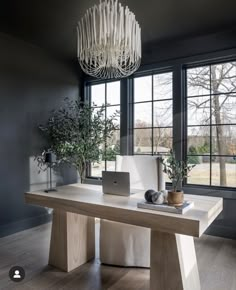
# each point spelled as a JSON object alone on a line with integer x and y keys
{"x": 76, "y": 133}
{"x": 176, "y": 170}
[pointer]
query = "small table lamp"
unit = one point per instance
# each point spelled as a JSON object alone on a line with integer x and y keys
{"x": 50, "y": 158}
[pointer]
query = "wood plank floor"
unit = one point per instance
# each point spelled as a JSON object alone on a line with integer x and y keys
{"x": 29, "y": 249}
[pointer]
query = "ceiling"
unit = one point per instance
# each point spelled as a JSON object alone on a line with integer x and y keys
{"x": 52, "y": 24}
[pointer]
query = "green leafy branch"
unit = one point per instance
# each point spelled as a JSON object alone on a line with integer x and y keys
{"x": 176, "y": 170}
{"x": 77, "y": 133}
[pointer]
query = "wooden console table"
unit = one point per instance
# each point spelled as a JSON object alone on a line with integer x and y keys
{"x": 173, "y": 257}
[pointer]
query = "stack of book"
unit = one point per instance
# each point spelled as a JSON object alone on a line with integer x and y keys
{"x": 165, "y": 207}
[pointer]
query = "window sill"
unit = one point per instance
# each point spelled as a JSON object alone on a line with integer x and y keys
{"x": 91, "y": 180}
{"x": 217, "y": 192}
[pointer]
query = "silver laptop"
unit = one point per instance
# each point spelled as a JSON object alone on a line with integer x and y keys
{"x": 115, "y": 182}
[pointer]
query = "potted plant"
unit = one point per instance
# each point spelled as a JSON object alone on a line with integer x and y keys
{"x": 77, "y": 132}
{"x": 176, "y": 170}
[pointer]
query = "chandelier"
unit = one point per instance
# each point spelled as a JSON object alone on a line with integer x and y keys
{"x": 109, "y": 41}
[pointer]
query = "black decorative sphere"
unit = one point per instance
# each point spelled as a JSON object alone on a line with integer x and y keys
{"x": 148, "y": 195}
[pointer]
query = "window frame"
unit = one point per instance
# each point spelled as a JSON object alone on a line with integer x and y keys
{"x": 209, "y": 62}
{"x": 152, "y": 102}
{"x": 88, "y": 99}
{"x": 179, "y": 68}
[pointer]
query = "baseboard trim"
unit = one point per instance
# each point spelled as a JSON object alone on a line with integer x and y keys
{"x": 9, "y": 229}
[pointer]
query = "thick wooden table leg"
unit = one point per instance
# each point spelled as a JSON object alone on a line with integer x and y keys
{"x": 173, "y": 262}
{"x": 72, "y": 240}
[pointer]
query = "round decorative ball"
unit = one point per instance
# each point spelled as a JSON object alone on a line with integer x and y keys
{"x": 165, "y": 194}
{"x": 148, "y": 195}
{"x": 158, "y": 197}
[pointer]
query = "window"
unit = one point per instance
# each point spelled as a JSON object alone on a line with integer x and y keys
{"x": 210, "y": 121}
{"x": 107, "y": 94}
{"x": 153, "y": 113}
{"x": 211, "y": 124}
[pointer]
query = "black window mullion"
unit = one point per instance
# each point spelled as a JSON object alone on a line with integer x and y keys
{"x": 131, "y": 115}
{"x": 125, "y": 117}
{"x": 152, "y": 116}
{"x": 88, "y": 98}
{"x": 185, "y": 120}
{"x": 105, "y": 119}
{"x": 212, "y": 94}
{"x": 210, "y": 126}
{"x": 161, "y": 100}
{"x": 178, "y": 116}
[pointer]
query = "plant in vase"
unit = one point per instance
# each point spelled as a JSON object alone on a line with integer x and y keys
{"x": 176, "y": 171}
{"x": 77, "y": 133}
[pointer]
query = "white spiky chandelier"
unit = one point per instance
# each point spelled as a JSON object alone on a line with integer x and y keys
{"x": 109, "y": 41}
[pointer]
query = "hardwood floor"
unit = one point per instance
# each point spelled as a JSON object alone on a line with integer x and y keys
{"x": 30, "y": 248}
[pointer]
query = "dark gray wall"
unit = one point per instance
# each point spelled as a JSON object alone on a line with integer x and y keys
{"x": 31, "y": 84}
{"x": 191, "y": 49}
{"x": 53, "y": 25}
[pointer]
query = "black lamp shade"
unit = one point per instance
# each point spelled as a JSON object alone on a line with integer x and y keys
{"x": 50, "y": 157}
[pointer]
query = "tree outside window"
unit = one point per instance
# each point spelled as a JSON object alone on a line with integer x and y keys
{"x": 107, "y": 94}
{"x": 211, "y": 123}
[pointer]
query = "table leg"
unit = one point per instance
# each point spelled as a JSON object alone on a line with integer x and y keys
{"x": 173, "y": 262}
{"x": 72, "y": 240}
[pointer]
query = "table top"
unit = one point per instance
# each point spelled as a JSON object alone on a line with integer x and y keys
{"x": 87, "y": 199}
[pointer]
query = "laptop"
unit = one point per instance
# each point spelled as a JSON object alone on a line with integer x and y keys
{"x": 116, "y": 182}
